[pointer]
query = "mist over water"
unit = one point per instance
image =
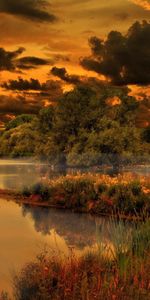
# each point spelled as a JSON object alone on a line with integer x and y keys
{"x": 18, "y": 173}
{"x": 15, "y": 174}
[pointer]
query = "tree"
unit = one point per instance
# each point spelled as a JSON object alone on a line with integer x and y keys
{"x": 146, "y": 134}
{"x": 19, "y": 141}
{"x": 45, "y": 119}
{"x": 21, "y": 119}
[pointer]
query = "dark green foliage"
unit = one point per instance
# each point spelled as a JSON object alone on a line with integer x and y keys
{"x": 19, "y": 120}
{"x": 20, "y": 141}
{"x": 83, "y": 129}
{"x": 136, "y": 188}
{"x": 41, "y": 190}
{"x": 45, "y": 120}
{"x": 124, "y": 200}
{"x": 26, "y": 191}
{"x": 146, "y": 134}
{"x": 77, "y": 192}
{"x": 84, "y": 194}
{"x": 101, "y": 188}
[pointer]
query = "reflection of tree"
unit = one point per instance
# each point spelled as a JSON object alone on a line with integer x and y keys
{"x": 77, "y": 229}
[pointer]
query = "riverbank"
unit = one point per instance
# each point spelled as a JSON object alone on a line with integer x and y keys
{"x": 124, "y": 196}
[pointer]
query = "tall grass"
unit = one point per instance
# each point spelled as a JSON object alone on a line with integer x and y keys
{"x": 117, "y": 272}
{"x": 95, "y": 193}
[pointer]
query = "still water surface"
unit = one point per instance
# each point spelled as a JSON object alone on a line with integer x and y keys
{"x": 15, "y": 174}
{"x": 25, "y": 231}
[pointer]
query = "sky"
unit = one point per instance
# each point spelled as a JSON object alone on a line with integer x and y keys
{"x": 48, "y": 41}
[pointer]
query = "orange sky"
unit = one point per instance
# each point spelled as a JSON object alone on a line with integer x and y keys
{"x": 63, "y": 40}
{"x": 68, "y": 36}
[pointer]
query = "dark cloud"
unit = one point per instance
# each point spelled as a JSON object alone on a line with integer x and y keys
{"x": 63, "y": 75}
{"x": 35, "y": 10}
{"x": 10, "y": 61}
{"x": 49, "y": 90}
{"x": 31, "y": 62}
{"x": 8, "y": 58}
{"x": 92, "y": 82}
{"x": 123, "y": 59}
{"x": 19, "y": 105}
{"x": 23, "y": 85}
{"x": 29, "y": 96}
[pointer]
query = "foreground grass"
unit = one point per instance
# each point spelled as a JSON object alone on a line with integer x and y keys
{"x": 95, "y": 193}
{"x": 123, "y": 276}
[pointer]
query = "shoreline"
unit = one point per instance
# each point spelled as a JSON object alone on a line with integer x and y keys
{"x": 11, "y": 195}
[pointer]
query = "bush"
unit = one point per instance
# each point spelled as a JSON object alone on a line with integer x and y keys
{"x": 95, "y": 193}
{"x": 78, "y": 191}
{"x": 26, "y": 191}
{"x": 124, "y": 199}
{"x": 41, "y": 190}
{"x": 101, "y": 188}
{"x": 136, "y": 188}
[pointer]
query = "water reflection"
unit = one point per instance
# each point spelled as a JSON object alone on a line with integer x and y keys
{"x": 77, "y": 230}
{"x": 25, "y": 231}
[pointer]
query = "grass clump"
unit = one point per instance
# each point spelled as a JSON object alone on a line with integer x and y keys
{"x": 95, "y": 193}
{"x": 39, "y": 191}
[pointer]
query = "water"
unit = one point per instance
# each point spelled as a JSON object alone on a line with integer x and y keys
{"x": 25, "y": 231}
{"x": 15, "y": 174}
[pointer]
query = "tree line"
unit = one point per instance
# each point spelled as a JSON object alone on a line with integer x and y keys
{"x": 89, "y": 125}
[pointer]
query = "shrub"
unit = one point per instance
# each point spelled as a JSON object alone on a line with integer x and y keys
{"x": 101, "y": 188}
{"x": 124, "y": 199}
{"x": 26, "y": 191}
{"x": 136, "y": 188}
{"x": 42, "y": 190}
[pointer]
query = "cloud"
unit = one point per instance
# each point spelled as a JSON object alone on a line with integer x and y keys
{"x": 31, "y": 62}
{"x": 123, "y": 59}
{"x": 49, "y": 90}
{"x": 63, "y": 75}
{"x": 23, "y": 85}
{"x": 8, "y": 58}
{"x": 26, "y": 102}
{"x": 35, "y": 10}
{"x": 10, "y": 61}
{"x": 18, "y": 105}
{"x": 143, "y": 3}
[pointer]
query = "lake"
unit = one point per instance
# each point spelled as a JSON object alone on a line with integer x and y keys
{"x": 25, "y": 231}
{"x": 15, "y": 174}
